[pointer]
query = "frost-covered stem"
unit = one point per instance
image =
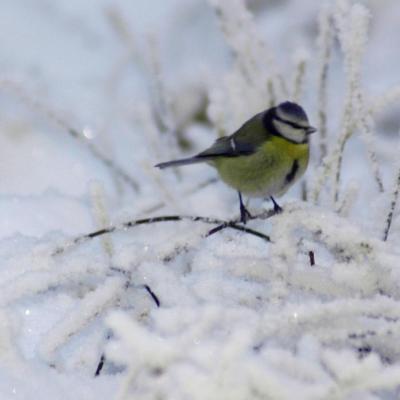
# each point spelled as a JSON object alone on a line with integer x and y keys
{"x": 352, "y": 24}
{"x": 324, "y": 43}
{"x": 392, "y": 207}
{"x": 126, "y": 384}
{"x": 298, "y": 83}
{"x": 100, "y": 213}
{"x": 160, "y": 97}
{"x": 320, "y": 179}
{"x": 282, "y": 84}
{"x": 161, "y": 102}
{"x": 41, "y": 281}
{"x": 380, "y": 102}
{"x": 235, "y": 224}
{"x": 331, "y": 164}
{"x": 365, "y": 122}
{"x": 51, "y": 115}
{"x": 120, "y": 25}
{"x": 237, "y": 18}
{"x": 347, "y": 200}
{"x": 91, "y": 306}
{"x": 118, "y": 171}
{"x": 338, "y": 159}
{"x": 238, "y": 26}
{"x": 166, "y": 192}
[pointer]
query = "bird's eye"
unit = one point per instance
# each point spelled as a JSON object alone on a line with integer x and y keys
{"x": 296, "y": 126}
{"x": 292, "y": 124}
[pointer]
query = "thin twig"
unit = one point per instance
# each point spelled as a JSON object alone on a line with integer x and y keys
{"x": 235, "y": 224}
{"x": 232, "y": 224}
{"x": 100, "y": 365}
{"x": 153, "y": 295}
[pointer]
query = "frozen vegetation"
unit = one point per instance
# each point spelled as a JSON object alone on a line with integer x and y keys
{"x": 106, "y": 265}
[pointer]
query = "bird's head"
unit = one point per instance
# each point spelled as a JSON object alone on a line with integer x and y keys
{"x": 289, "y": 121}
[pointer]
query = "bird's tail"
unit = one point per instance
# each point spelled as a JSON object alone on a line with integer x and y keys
{"x": 183, "y": 161}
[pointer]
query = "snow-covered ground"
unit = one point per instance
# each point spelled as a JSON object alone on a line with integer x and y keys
{"x": 93, "y": 94}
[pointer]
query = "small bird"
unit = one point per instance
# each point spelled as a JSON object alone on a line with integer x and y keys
{"x": 264, "y": 157}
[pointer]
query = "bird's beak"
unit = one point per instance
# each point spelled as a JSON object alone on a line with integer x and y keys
{"x": 311, "y": 130}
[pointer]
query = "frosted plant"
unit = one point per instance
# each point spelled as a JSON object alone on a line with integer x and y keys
{"x": 161, "y": 107}
{"x": 356, "y": 40}
{"x": 101, "y": 215}
{"x": 303, "y": 304}
{"x": 350, "y": 194}
{"x": 324, "y": 43}
{"x": 352, "y": 26}
{"x": 93, "y": 285}
{"x": 239, "y": 350}
{"x": 92, "y": 305}
{"x": 357, "y": 264}
{"x": 185, "y": 362}
{"x": 255, "y": 82}
{"x": 301, "y": 59}
{"x": 250, "y": 51}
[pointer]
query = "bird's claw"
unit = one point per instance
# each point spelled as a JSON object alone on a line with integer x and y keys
{"x": 244, "y": 215}
{"x": 277, "y": 208}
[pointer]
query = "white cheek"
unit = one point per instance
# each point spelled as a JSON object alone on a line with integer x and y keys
{"x": 296, "y": 134}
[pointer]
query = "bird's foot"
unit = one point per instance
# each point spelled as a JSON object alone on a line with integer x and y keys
{"x": 277, "y": 208}
{"x": 244, "y": 214}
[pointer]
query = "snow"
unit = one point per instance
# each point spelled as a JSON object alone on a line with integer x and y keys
{"x": 86, "y": 84}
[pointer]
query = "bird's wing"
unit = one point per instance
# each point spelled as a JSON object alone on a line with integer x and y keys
{"x": 245, "y": 141}
{"x": 227, "y": 146}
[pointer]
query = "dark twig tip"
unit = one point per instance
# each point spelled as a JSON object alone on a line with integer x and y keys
{"x": 153, "y": 295}
{"x": 100, "y": 365}
{"x": 312, "y": 258}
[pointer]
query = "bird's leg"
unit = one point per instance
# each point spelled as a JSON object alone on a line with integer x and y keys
{"x": 277, "y": 207}
{"x": 244, "y": 213}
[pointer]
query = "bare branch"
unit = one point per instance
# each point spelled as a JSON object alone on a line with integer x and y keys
{"x": 235, "y": 224}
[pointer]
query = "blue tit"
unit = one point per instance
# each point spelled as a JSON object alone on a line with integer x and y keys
{"x": 264, "y": 157}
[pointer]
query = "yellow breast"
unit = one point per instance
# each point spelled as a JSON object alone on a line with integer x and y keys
{"x": 268, "y": 172}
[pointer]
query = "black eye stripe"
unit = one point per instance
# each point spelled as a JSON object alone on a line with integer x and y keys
{"x": 292, "y": 124}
